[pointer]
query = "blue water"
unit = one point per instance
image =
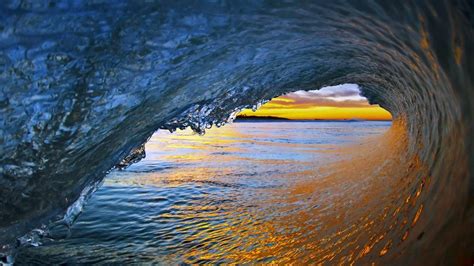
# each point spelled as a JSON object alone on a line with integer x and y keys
{"x": 212, "y": 198}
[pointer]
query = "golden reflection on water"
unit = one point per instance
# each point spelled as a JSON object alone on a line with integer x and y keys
{"x": 340, "y": 211}
{"x": 351, "y": 202}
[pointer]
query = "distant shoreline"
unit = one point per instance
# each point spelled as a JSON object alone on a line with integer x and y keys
{"x": 282, "y": 119}
{"x": 260, "y": 118}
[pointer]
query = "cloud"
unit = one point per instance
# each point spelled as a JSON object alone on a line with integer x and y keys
{"x": 345, "y": 95}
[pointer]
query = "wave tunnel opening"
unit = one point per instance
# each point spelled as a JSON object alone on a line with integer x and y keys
{"x": 85, "y": 85}
{"x": 338, "y": 103}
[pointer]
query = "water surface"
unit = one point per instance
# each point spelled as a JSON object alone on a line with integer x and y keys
{"x": 214, "y": 198}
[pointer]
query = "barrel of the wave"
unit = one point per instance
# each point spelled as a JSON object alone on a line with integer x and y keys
{"x": 84, "y": 85}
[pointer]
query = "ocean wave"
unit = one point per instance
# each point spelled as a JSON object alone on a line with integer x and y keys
{"x": 85, "y": 83}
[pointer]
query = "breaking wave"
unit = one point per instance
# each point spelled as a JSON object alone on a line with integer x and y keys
{"x": 86, "y": 83}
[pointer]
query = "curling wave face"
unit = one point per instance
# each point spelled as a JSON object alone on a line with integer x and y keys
{"x": 84, "y": 84}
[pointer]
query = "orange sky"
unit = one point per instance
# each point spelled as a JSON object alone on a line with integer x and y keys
{"x": 331, "y": 103}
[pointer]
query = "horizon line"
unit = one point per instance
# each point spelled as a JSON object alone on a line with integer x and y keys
{"x": 314, "y": 119}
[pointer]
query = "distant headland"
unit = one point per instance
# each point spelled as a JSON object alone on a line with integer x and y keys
{"x": 254, "y": 118}
{"x": 260, "y": 118}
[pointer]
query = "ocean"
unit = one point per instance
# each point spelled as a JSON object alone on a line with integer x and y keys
{"x": 86, "y": 82}
{"x": 231, "y": 195}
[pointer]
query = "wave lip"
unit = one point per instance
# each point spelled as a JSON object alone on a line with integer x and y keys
{"x": 84, "y": 84}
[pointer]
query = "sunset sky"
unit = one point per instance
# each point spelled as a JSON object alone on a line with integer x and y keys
{"x": 332, "y": 103}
